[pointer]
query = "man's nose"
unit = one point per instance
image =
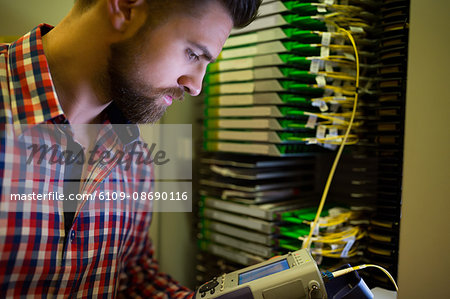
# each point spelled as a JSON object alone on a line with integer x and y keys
{"x": 192, "y": 84}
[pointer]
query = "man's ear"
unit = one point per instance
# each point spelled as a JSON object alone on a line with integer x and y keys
{"x": 122, "y": 13}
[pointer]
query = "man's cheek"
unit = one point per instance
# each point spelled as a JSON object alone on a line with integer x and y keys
{"x": 169, "y": 74}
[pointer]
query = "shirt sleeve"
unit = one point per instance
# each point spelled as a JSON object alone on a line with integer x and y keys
{"x": 140, "y": 277}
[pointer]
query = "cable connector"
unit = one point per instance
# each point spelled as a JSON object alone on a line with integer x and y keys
{"x": 345, "y": 271}
{"x": 327, "y": 276}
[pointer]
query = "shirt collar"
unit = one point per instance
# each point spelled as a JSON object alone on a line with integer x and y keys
{"x": 34, "y": 97}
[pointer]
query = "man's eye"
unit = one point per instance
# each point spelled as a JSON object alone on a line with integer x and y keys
{"x": 192, "y": 56}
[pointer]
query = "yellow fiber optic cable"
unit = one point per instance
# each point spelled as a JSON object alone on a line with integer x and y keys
{"x": 337, "y": 76}
{"x": 307, "y": 242}
{"x": 351, "y": 269}
{"x": 327, "y": 117}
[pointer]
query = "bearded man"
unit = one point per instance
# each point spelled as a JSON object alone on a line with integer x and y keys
{"x": 108, "y": 62}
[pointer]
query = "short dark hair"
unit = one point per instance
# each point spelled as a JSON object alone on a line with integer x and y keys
{"x": 243, "y": 12}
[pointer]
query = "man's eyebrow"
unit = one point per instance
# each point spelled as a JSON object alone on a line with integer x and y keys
{"x": 205, "y": 51}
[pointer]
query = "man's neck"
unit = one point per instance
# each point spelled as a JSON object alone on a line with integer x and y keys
{"x": 78, "y": 62}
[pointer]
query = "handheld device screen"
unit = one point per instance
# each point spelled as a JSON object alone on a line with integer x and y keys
{"x": 263, "y": 271}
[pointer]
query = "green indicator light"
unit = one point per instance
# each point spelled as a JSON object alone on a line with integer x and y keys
{"x": 293, "y": 85}
{"x": 296, "y": 126}
{"x": 286, "y": 124}
{"x": 300, "y": 87}
{"x": 305, "y": 36}
{"x": 305, "y": 22}
{"x": 305, "y": 9}
{"x": 287, "y": 71}
{"x": 302, "y": 139}
{"x": 290, "y": 234}
{"x": 294, "y": 232}
{"x": 303, "y": 49}
{"x": 294, "y": 136}
{"x": 290, "y": 98}
{"x": 291, "y": 111}
{"x": 289, "y": 247}
{"x": 307, "y": 214}
{"x": 299, "y": 75}
{"x": 289, "y": 244}
{"x": 293, "y": 220}
{"x": 298, "y": 61}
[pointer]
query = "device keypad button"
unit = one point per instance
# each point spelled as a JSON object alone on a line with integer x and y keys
{"x": 209, "y": 285}
{"x": 299, "y": 261}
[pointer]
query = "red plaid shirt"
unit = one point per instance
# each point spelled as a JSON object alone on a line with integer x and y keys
{"x": 107, "y": 250}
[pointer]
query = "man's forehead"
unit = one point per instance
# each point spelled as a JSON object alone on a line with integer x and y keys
{"x": 206, "y": 30}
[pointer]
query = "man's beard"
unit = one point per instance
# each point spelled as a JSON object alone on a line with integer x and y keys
{"x": 136, "y": 100}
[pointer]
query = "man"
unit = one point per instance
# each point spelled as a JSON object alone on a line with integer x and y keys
{"x": 108, "y": 62}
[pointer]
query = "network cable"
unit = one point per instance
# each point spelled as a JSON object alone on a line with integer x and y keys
{"x": 330, "y": 275}
{"x": 307, "y": 242}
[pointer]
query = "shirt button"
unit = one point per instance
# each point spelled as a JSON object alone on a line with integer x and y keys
{"x": 72, "y": 235}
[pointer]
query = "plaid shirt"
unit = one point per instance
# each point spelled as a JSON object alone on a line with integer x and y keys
{"x": 106, "y": 252}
